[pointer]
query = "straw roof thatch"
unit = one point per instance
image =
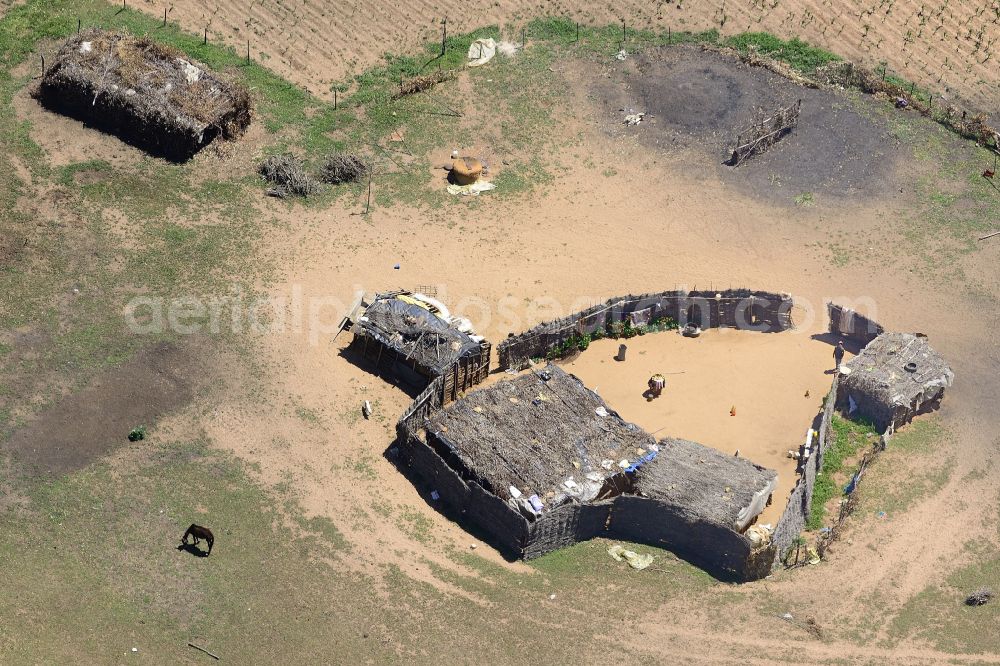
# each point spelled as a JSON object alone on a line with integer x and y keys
{"x": 544, "y": 433}
{"x": 706, "y": 484}
{"x": 882, "y": 377}
{"x": 143, "y": 91}
{"x": 416, "y": 333}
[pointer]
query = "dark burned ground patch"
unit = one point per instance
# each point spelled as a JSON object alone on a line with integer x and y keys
{"x": 96, "y": 420}
{"x": 698, "y": 101}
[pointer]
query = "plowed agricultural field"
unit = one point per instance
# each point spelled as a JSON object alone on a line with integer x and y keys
{"x": 948, "y": 47}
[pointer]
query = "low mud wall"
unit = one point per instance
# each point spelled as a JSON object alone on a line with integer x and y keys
{"x": 852, "y": 325}
{"x": 733, "y": 308}
{"x": 796, "y": 513}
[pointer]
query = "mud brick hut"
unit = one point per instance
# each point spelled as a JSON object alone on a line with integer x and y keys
{"x": 419, "y": 342}
{"x": 541, "y": 462}
{"x": 147, "y": 94}
{"x": 895, "y": 377}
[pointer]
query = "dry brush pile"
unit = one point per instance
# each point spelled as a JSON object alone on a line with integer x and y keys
{"x": 289, "y": 176}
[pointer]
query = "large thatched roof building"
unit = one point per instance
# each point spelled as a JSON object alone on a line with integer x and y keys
{"x": 895, "y": 377}
{"x": 543, "y": 435}
{"x": 540, "y": 462}
{"x": 146, "y": 93}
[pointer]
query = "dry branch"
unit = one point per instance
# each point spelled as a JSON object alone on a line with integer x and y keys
{"x": 424, "y": 82}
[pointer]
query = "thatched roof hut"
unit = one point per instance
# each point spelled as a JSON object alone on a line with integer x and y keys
{"x": 705, "y": 484}
{"x": 414, "y": 332}
{"x": 146, "y": 93}
{"x": 544, "y": 434}
{"x": 895, "y": 377}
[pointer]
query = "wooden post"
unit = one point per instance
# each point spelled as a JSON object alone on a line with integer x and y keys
{"x": 368, "y": 203}
{"x": 400, "y": 84}
{"x": 79, "y": 25}
{"x": 164, "y": 17}
{"x": 206, "y": 35}
{"x": 123, "y": 5}
{"x": 248, "y": 51}
{"x": 623, "y": 33}
{"x": 334, "y": 99}
{"x": 43, "y": 64}
{"x": 577, "y": 31}
{"x": 668, "y": 35}
{"x": 522, "y": 38}
{"x": 444, "y": 35}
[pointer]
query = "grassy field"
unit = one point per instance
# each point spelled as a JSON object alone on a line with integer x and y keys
{"x": 919, "y": 455}
{"x": 94, "y": 562}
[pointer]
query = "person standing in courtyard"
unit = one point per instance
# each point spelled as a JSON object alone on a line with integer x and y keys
{"x": 838, "y": 354}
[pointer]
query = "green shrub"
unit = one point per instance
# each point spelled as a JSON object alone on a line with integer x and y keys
{"x": 848, "y": 438}
{"x": 795, "y": 52}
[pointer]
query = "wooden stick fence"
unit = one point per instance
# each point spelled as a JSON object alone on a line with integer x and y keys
{"x": 766, "y": 133}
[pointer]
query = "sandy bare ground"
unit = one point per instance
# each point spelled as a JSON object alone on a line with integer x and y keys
{"x": 765, "y": 377}
{"x": 947, "y": 47}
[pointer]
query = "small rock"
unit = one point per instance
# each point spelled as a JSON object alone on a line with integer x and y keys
{"x": 552, "y": 596}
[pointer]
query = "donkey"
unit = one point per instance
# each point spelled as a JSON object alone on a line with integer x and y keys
{"x": 197, "y": 532}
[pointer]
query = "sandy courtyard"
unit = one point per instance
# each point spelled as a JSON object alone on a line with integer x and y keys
{"x": 765, "y": 377}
